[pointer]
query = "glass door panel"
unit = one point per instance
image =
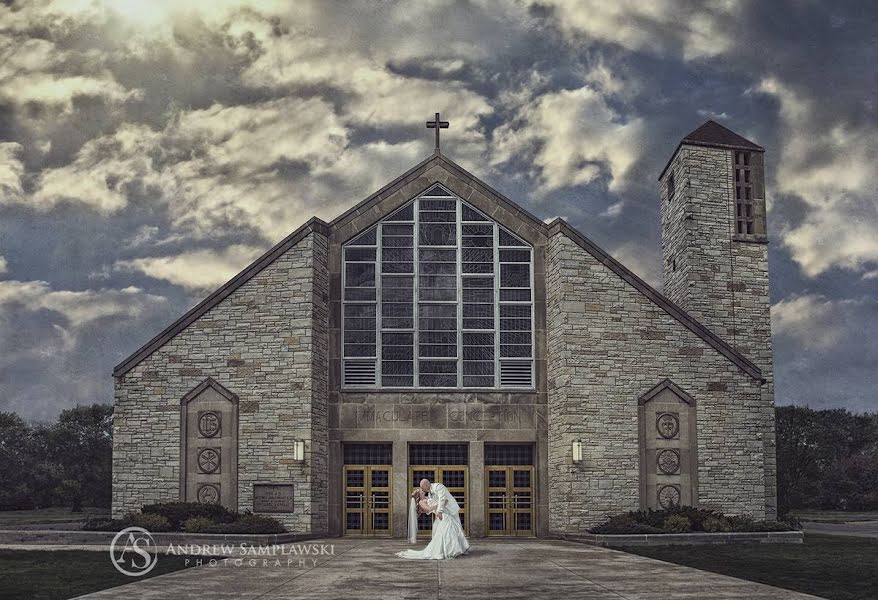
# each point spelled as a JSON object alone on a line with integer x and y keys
{"x": 509, "y": 507}
{"x": 367, "y": 500}
{"x": 455, "y": 478}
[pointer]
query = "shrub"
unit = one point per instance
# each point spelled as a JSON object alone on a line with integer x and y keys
{"x": 740, "y": 523}
{"x": 149, "y": 521}
{"x": 685, "y": 519}
{"x": 105, "y": 524}
{"x": 677, "y": 524}
{"x": 716, "y": 525}
{"x": 249, "y": 523}
{"x": 178, "y": 512}
{"x": 793, "y": 521}
{"x": 768, "y": 526}
{"x": 622, "y": 524}
{"x": 624, "y": 528}
{"x": 197, "y": 524}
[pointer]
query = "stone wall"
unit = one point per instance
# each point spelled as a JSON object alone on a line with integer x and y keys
{"x": 266, "y": 343}
{"x": 608, "y": 344}
{"x": 716, "y": 275}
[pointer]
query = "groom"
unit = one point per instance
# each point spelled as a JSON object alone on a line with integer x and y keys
{"x": 447, "y": 504}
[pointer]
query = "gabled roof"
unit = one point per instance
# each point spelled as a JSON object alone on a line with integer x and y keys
{"x": 713, "y": 340}
{"x": 317, "y": 225}
{"x": 216, "y": 297}
{"x": 452, "y": 167}
{"x": 667, "y": 384}
{"x": 714, "y": 135}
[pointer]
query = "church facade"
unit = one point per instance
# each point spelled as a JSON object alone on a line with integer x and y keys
{"x": 438, "y": 330}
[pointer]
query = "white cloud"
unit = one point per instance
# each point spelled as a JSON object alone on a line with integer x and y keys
{"x": 660, "y": 26}
{"x": 3, "y": 265}
{"x": 224, "y": 167}
{"x": 644, "y": 262}
{"x": 571, "y": 137}
{"x": 197, "y": 270}
{"x": 98, "y": 176}
{"x": 613, "y": 210}
{"x": 29, "y": 72}
{"x": 832, "y": 168}
{"x": 79, "y": 308}
{"x": 376, "y": 95}
{"x": 812, "y": 320}
{"x": 11, "y": 171}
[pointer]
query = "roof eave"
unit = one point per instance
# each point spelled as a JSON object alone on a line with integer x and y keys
{"x": 313, "y": 224}
{"x": 754, "y": 148}
{"x": 738, "y": 359}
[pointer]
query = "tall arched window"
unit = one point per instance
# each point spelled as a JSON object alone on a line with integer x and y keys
{"x": 437, "y": 295}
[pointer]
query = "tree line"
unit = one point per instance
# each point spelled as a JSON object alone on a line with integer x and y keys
{"x": 66, "y": 463}
{"x": 826, "y": 459}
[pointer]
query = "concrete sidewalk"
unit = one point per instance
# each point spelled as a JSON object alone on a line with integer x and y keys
{"x": 867, "y": 529}
{"x": 527, "y": 569}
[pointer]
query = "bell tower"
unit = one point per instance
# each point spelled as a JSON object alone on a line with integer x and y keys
{"x": 715, "y": 249}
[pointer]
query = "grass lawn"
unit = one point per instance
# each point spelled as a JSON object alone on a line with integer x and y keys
{"x": 57, "y": 574}
{"x": 841, "y": 568}
{"x": 10, "y": 518}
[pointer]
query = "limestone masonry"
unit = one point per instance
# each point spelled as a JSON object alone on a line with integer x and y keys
{"x": 438, "y": 330}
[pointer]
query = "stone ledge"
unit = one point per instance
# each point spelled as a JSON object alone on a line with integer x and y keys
{"x": 669, "y": 539}
{"x": 32, "y": 536}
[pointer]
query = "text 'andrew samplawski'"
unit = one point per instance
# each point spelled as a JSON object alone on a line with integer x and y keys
{"x": 244, "y": 549}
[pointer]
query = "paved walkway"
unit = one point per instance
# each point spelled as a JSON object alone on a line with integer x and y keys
{"x": 868, "y": 529}
{"x": 368, "y": 569}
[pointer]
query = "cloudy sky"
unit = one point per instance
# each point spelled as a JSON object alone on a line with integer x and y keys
{"x": 150, "y": 149}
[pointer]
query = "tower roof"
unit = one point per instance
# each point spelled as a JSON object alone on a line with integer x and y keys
{"x": 714, "y": 135}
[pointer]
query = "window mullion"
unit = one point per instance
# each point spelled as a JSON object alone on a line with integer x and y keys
{"x": 533, "y": 325}
{"x": 416, "y": 268}
{"x": 379, "y": 269}
{"x": 496, "y": 305}
{"x": 459, "y": 256}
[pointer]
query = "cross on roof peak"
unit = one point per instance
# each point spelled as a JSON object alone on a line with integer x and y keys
{"x": 437, "y": 124}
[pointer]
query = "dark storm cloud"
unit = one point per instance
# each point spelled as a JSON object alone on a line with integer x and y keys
{"x": 139, "y": 146}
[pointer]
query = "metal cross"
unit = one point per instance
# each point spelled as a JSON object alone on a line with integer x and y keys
{"x": 437, "y": 125}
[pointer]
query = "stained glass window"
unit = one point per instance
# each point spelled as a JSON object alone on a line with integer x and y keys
{"x": 437, "y": 295}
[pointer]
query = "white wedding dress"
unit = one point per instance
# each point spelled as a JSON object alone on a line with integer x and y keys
{"x": 448, "y": 539}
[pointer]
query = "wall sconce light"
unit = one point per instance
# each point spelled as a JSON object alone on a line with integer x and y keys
{"x": 299, "y": 450}
{"x": 577, "y": 451}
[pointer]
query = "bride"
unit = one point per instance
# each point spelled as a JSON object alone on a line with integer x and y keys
{"x": 448, "y": 539}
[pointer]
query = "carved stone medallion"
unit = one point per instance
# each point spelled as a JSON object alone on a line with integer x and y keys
{"x": 668, "y": 425}
{"x": 208, "y": 494}
{"x": 668, "y": 461}
{"x": 668, "y": 495}
{"x": 209, "y": 460}
{"x": 209, "y": 424}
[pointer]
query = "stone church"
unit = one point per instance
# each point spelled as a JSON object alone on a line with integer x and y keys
{"x": 437, "y": 329}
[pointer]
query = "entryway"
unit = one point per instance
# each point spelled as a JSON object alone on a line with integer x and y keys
{"x": 368, "y": 501}
{"x": 509, "y": 490}
{"x": 445, "y": 463}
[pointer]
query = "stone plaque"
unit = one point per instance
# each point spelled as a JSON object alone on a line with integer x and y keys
{"x": 668, "y": 496}
{"x": 209, "y": 460}
{"x": 209, "y": 494}
{"x": 273, "y": 497}
{"x": 209, "y": 424}
{"x": 668, "y": 425}
{"x": 668, "y": 461}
